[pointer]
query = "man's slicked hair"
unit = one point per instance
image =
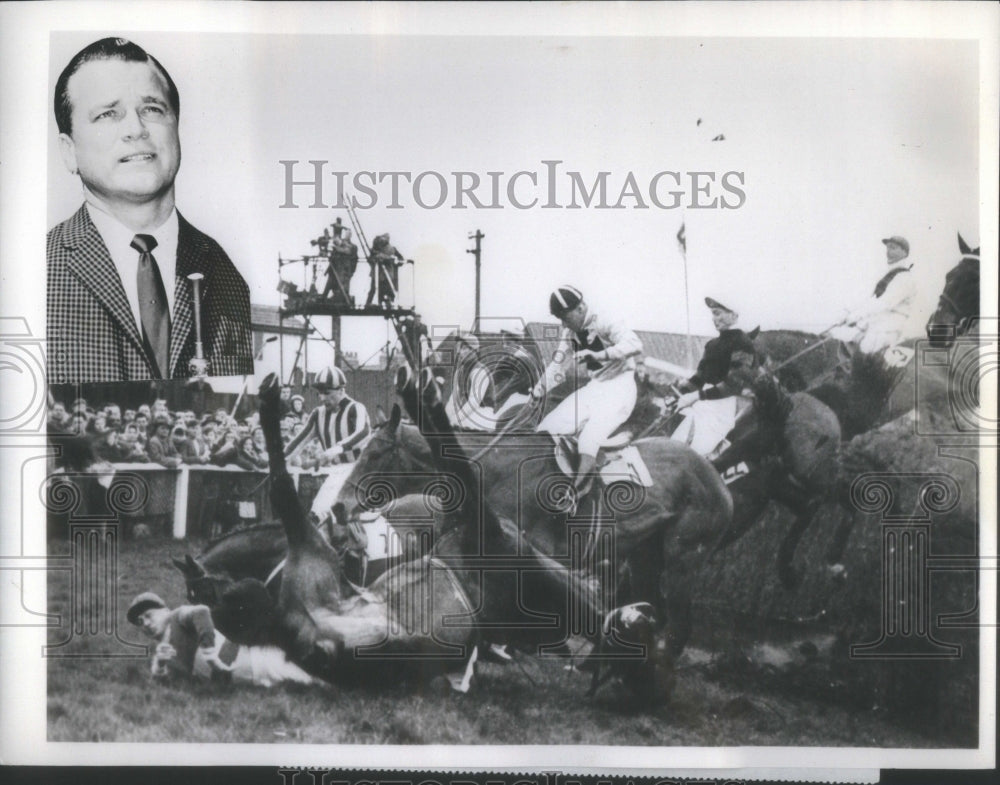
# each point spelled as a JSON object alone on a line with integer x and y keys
{"x": 106, "y": 49}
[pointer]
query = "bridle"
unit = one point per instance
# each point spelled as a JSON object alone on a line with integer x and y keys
{"x": 962, "y": 322}
{"x": 394, "y": 447}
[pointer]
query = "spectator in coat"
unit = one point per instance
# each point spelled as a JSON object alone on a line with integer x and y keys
{"x": 130, "y": 446}
{"x": 161, "y": 447}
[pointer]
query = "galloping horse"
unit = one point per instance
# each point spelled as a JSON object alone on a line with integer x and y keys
{"x": 959, "y": 302}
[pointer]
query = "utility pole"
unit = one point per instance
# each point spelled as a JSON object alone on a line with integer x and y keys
{"x": 477, "y": 251}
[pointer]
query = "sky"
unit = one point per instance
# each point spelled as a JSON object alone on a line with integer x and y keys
{"x": 840, "y": 142}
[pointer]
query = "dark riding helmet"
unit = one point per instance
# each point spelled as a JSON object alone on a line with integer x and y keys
{"x": 564, "y": 299}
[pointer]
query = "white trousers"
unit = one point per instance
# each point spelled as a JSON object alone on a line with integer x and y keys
{"x": 593, "y": 411}
{"x": 327, "y": 494}
{"x": 874, "y": 334}
{"x": 707, "y": 422}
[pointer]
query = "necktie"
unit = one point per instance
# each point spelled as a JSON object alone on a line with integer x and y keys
{"x": 153, "y": 310}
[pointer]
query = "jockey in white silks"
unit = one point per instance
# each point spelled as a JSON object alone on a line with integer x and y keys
{"x": 713, "y": 397}
{"x": 609, "y": 351}
{"x": 470, "y": 406}
{"x": 881, "y": 321}
{"x": 341, "y": 425}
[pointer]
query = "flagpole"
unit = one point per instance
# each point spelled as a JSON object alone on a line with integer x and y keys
{"x": 682, "y": 242}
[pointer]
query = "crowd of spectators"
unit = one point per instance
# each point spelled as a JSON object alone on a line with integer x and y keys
{"x": 152, "y": 433}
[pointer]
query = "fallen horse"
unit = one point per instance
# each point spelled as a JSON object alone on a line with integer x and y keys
{"x": 424, "y": 616}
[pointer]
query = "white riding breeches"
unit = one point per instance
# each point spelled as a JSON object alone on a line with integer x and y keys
{"x": 706, "y": 423}
{"x": 327, "y": 494}
{"x": 593, "y": 411}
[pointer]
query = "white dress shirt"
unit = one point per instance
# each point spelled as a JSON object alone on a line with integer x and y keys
{"x": 118, "y": 239}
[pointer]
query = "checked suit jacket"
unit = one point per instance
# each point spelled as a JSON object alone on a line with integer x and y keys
{"x": 92, "y": 332}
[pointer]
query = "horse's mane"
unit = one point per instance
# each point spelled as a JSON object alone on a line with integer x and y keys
{"x": 770, "y": 400}
{"x": 859, "y": 401}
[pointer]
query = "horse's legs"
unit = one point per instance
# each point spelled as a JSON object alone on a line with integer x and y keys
{"x": 679, "y": 565}
{"x": 804, "y": 506}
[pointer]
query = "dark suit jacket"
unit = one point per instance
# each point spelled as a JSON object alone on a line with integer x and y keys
{"x": 92, "y": 334}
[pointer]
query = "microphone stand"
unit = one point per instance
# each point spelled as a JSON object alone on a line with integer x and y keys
{"x": 198, "y": 365}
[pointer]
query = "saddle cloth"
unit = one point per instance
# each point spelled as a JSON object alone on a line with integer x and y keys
{"x": 618, "y": 461}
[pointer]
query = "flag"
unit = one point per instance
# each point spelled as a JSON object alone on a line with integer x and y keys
{"x": 682, "y": 239}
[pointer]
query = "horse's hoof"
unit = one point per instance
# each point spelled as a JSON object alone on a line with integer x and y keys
{"x": 270, "y": 388}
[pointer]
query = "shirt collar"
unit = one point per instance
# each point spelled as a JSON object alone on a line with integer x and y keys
{"x": 118, "y": 240}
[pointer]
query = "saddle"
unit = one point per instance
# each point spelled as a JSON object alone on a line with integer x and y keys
{"x": 618, "y": 460}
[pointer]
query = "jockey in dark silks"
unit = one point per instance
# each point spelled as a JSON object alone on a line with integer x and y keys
{"x": 714, "y": 395}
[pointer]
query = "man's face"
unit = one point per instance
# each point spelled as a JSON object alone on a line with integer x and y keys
{"x": 574, "y": 319}
{"x": 162, "y": 431}
{"x": 142, "y": 421}
{"x": 59, "y": 411}
{"x": 154, "y": 621}
{"x": 332, "y": 396}
{"x": 723, "y": 319}
{"x": 130, "y": 434}
{"x": 286, "y": 393}
{"x": 894, "y": 252}
{"x": 124, "y": 142}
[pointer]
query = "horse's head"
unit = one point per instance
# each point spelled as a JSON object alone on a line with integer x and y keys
{"x": 958, "y": 304}
{"x": 395, "y": 462}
